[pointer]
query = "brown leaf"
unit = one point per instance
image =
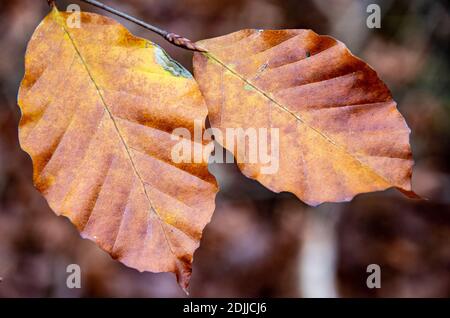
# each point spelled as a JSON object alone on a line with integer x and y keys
{"x": 340, "y": 132}
{"x": 98, "y": 108}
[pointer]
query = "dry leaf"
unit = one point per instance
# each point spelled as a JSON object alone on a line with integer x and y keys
{"x": 340, "y": 132}
{"x": 98, "y": 108}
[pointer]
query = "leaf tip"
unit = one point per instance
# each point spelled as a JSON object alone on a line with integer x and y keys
{"x": 411, "y": 194}
{"x": 183, "y": 273}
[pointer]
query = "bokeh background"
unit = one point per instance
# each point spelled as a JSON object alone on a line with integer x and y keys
{"x": 258, "y": 243}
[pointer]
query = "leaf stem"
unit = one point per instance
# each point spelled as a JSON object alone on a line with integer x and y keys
{"x": 171, "y": 37}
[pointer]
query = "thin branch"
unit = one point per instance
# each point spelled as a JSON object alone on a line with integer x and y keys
{"x": 173, "y": 38}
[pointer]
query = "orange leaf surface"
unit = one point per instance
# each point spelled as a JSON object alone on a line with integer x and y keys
{"x": 340, "y": 132}
{"x": 98, "y": 109}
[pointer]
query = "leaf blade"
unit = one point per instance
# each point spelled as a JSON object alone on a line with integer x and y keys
{"x": 321, "y": 97}
{"x": 96, "y": 120}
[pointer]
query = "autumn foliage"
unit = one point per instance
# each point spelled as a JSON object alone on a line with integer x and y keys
{"x": 340, "y": 131}
{"x": 99, "y": 106}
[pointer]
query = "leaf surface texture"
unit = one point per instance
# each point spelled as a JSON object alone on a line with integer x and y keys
{"x": 340, "y": 133}
{"x": 98, "y": 109}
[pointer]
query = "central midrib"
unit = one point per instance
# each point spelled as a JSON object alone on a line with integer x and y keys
{"x": 296, "y": 116}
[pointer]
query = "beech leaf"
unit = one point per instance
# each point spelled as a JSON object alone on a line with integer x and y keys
{"x": 98, "y": 109}
{"x": 340, "y": 133}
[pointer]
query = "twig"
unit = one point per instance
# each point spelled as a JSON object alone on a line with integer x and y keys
{"x": 173, "y": 38}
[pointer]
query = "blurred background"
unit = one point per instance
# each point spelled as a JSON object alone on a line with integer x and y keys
{"x": 258, "y": 243}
